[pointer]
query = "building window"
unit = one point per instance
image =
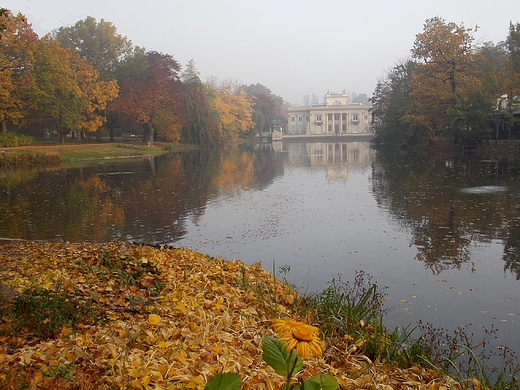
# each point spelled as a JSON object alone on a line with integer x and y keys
{"x": 318, "y": 118}
{"x": 329, "y": 128}
{"x": 329, "y": 116}
{"x": 292, "y": 119}
{"x": 366, "y": 116}
{"x": 344, "y": 127}
{"x": 300, "y": 118}
{"x": 355, "y": 117}
{"x": 300, "y": 129}
{"x": 336, "y": 103}
{"x": 344, "y": 117}
{"x": 307, "y": 118}
{"x": 336, "y": 117}
{"x": 293, "y": 129}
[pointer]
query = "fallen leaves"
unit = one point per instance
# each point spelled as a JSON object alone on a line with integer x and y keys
{"x": 169, "y": 318}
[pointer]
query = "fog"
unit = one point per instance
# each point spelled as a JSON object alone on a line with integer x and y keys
{"x": 295, "y": 48}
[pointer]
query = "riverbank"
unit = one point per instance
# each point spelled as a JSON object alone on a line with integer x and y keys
{"x": 161, "y": 318}
{"x": 74, "y": 153}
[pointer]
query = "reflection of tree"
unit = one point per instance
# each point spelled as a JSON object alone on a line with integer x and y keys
{"x": 147, "y": 200}
{"x": 67, "y": 204}
{"x": 424, "y": 195}
{"x": 511, "y": 255}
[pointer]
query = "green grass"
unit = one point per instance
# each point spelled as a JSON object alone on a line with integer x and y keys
{"x": 355, "y": 310}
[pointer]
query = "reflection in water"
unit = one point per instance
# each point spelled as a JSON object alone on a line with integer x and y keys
{"x": 484, "y": 189}
{"x": 443, "y": 231}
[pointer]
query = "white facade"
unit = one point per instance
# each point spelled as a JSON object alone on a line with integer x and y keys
{"x": 336, "y": 116}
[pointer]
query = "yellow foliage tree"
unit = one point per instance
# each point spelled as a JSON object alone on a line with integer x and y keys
{"x": 232, "y": 106}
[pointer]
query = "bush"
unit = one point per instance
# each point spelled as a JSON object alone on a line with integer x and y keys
{"x": 11, "y": 140}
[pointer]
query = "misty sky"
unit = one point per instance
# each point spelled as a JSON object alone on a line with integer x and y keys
{"x": 292, "y": 47}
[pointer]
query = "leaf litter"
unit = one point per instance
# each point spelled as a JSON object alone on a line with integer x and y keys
{"x": 166, "y": 318}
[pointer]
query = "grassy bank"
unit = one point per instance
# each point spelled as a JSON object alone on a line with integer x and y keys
{"x": 117, "y": 315}
{"x": 71, "y": 153}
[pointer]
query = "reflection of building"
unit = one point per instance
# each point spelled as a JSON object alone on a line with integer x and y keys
{"x": 336, "y": 116}
{"x": 335, "y": 157}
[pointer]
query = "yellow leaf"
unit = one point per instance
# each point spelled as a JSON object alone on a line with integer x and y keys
{"x": 154, "y": 319}
{"x": 65, "y": 331}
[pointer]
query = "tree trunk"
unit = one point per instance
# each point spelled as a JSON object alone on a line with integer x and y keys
{"x": 4, "y": 126}
{"x": 98, "y": 135}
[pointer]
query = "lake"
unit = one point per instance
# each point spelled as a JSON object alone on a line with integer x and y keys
{"x": 442, "y": 234}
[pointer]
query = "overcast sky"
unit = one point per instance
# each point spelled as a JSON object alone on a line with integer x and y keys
{"x": 292, "y": 47}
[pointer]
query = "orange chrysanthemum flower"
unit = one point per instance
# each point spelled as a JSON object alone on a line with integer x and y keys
{"x": 300, "y": 336}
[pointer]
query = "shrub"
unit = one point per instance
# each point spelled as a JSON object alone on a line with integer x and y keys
{"x": 11, "y": 140}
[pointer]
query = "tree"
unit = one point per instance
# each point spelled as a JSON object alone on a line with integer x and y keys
{"x": 200, "y": 126}
{"x": 97, "y": 42}
{"x": 151, "y": 95}
{"x": 101, "y": 45}
{"x": 16, "y": 55}
{"x": 445, "y": 83}
{"x": 232, "y": 106}
{"x": 66, "y": 89}
{"x": 390, "y": 102}
{"x": 513, "y": 73}
{"x": 266, "y": 106}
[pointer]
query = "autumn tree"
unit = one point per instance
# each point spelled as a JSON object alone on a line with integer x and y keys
{"x": 151, "y": 94}
{"x": 232, "y": 106}
{"x": 97, "y": 42}
{"x": 67, "y": 90}
{"x": 446, "y": 86}
{"x": 105, "y": 49}
{"x": 17, "y": 43}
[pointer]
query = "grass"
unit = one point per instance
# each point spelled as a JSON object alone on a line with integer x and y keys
{"x": 74, "y": 153}
{"x": 355, "y": 311}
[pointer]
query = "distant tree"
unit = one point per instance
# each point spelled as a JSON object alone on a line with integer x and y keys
{"x": 200, "y": 126}
{"x": 233, "y": 108}
{"x": 266, "y": 106}
{"x": 151, "y": 95}
{"x": 17, "y": 42}
{"x": 390, "y": 101}
{"x": 97, "y": 42}
{"x": 191, "y": 73}
{"x": 446, "y": 85}
{"x": 66, "y": 89}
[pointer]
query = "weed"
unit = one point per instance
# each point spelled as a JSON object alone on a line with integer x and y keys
{"x": 43, "y": 313}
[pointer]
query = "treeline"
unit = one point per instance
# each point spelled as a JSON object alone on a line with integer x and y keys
{"x": 88, "y": 79}
{"x": 450, "y": 90}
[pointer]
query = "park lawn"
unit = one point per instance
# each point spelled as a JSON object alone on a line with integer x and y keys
{"x": 98, "y": 151}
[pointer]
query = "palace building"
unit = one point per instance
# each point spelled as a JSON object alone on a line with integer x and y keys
{"x": 336, "y": 116}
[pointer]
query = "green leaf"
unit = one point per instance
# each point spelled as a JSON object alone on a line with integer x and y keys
{"x": 275, "y": 354}
{"x": 226, "y": 381}
{"x": 324, "y": 382}
{"x": 310, "y": 385}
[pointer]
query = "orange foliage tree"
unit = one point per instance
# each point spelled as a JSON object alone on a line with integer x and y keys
{"x": 17, "y": 41}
